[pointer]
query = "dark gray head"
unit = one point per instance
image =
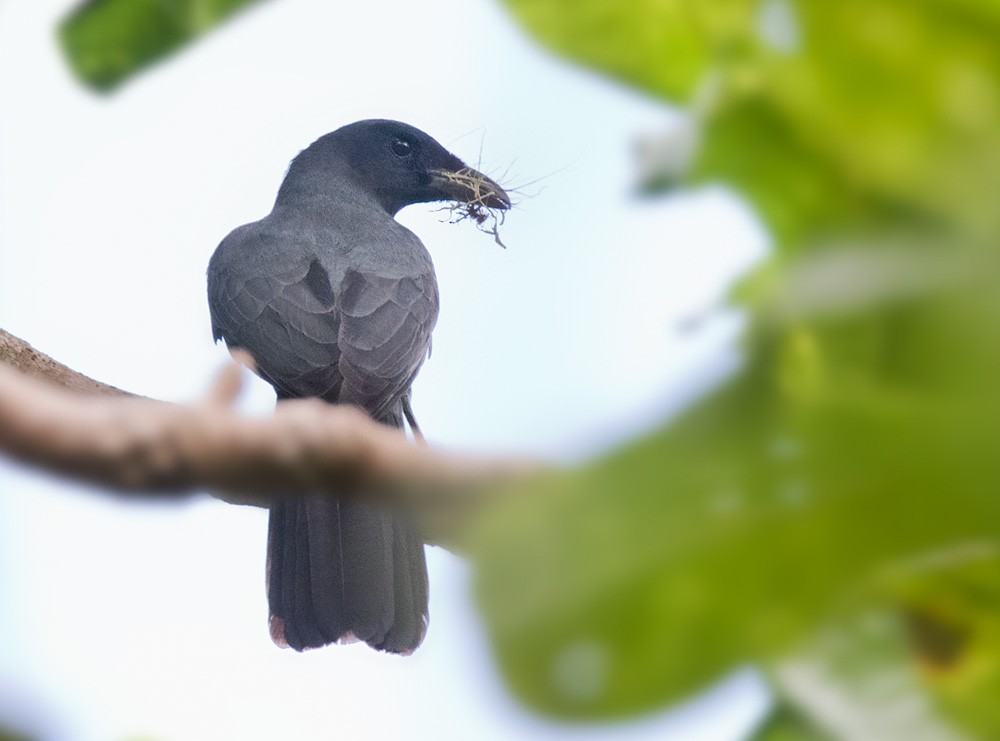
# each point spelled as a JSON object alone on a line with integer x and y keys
{"x": 393, "y": 161}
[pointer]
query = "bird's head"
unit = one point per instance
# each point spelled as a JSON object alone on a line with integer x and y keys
{"x": 401, "y": 165}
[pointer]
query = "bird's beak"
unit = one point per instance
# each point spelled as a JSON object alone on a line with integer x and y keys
{"x": 470, "y": 186}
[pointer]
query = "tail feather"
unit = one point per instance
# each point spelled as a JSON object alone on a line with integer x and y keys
{"x": 303, "y": 612}
{"x": 369, "y": 599}
{"x": 410, "y": 583}
{"x": 340, "y": 569}
{"x": 326, "y": 567}
{"x": 275, "y": 568}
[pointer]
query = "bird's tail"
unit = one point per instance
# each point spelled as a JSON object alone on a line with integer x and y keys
{"x": 345, "y": 569}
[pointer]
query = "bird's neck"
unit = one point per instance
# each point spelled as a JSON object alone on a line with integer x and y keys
{"x": 310, "y": 186}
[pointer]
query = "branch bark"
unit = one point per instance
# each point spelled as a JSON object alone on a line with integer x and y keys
{"x": 93, "y": 432}
{"x": 21, "y": 356}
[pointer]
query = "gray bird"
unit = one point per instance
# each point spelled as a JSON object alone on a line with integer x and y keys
{"x": 334, "y": 299}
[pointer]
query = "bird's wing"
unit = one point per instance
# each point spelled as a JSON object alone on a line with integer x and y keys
{"x": 360, "y": 342}
{"x": 384, "y": 336}
{"x": 288, "y": 321}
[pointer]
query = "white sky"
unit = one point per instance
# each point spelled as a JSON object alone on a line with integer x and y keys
{"x": 124, "y": 621}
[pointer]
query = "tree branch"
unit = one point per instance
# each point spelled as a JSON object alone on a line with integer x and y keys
{"x": 91, "y": 431}
{"x": 21, "y": 356}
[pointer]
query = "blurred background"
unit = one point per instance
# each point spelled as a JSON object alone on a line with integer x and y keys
{"x": 749, "y": 300}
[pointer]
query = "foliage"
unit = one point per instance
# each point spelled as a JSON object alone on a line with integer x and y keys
{"x": 860, "y": 439}
{"x": 824, "y": 114}
{"x": 787, "y": 724}
{"x": 107, "y": 41}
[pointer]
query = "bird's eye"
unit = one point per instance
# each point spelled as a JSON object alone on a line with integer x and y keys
{"x": 401, "y": 148}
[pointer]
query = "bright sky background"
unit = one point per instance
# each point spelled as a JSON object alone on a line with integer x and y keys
{"x": 121, "y": 621}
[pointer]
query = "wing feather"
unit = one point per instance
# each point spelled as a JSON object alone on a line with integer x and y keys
{"x": 360, "y": 342}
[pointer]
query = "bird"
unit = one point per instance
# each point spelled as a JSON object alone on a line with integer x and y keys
{"x": 334, "y": 299}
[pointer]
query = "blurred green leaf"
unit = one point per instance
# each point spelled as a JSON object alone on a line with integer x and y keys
{"x": 852, "y": 440}
{"x": 885, "y": 109}
{"x": 837, "y": 113}
{"x": 788, "y": 724}
{"x": 863, "y": 431}
{"x": 108, "y": 41}
{"x": 664, "y": 46}
{"x": 926, "y": 641}
{"x": 948, "y": 603}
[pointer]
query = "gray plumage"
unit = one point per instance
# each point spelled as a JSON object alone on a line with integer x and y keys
{"x": 335, "y": 299}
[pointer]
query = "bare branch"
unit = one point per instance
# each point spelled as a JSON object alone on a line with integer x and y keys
{"x": 141, "y": 446}
{"x": 18, "y": 354}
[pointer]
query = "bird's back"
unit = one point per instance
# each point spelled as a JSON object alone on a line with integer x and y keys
{"x": 319, "y": 296}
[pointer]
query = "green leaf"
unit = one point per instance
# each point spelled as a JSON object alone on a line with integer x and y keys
{"x": 948, "y": 604}
{"x": 859, "y": 435}
{"x": 108, "y": 41}
{"x": 922, "y": 648}
{"x": 788, "y": 724}
{"x": 862, "y": 433}
{"x": 663, "y": 46}
{"x": 868, "y": 110}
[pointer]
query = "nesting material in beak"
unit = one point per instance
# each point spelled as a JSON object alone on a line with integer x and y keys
{"x": 476, "y": 197}
{"x": 472, "y": 187}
